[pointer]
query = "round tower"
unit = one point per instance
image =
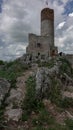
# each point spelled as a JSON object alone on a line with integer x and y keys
{"x": 47, "y": 24}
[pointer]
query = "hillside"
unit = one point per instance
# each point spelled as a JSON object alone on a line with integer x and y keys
{"x": 36, "y": 95}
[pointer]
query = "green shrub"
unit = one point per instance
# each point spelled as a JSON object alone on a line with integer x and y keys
{"x": 67, "y": 102}
{"x": 30, "y": 102}
{"x": 48, "y": 64}
{"x": 25, "y": 116}
{"x": 55, "y": 93}
{"x": 65, "y": 66}
{"x": 45, "y": 118}
{"x": 69, "y": 124}
{"x": 12, "y": 70}
{"x": 2, "y": 62}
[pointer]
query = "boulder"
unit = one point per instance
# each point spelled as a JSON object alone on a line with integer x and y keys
{"x": 42, "y": 82}
{"x": 67, "y": 94}
{"x": 13, "y": 114}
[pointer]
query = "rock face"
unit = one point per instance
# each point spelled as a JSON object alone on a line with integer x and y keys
{"x": 59, "y": 116}
{"x": 4, "y": 88}
{"x": 67, "y": 94}
{"x": 43, "y": 79}
{"x": 14, "y": 111}
{"x": 13, "y": 114}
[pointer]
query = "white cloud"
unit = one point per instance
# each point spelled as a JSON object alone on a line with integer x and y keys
{"x": 71, "y": 14}
{"x": 60, "y": 26}
{"x": 20, "y": 17}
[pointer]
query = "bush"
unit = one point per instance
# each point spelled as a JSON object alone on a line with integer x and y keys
{"x": 30, "y": 102}
{"x": 48, "y": 64}
{"x": 45, "y": 118}
{"x": 55, "y": 93}
{"x": 12, "y": 70}
{"x": 65, "y": 66}
{"x": 69, "y": 124}
{"x": 67, "y": 102}
{"x": 2, "y": 62}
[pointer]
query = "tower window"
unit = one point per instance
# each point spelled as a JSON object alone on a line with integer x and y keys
{"x": 38, "y": 45}
{"x": 38, "y": 53}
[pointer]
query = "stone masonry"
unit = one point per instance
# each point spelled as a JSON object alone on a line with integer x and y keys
{"x": 43, "y": 45}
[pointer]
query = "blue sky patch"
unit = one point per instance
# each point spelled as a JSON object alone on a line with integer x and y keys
{"x": 1, "y": 1}
{"x": 69, "y": 7}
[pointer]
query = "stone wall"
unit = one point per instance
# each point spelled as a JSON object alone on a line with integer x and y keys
{"x": 43, "y": 44}
{"x": 47, "y": 24}
{"x": 38, "y": 45}
{"x": 47, "y": 29}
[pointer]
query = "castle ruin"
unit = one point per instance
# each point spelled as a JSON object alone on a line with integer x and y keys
{"x": 43, "y": 46}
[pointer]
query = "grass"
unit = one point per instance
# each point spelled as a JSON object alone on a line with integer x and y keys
{"x": 48, "y": 64}
{"x": 30, "y": 102}
{"x": 43, "y": 119}
{"x": 67, "y": 103}
{"x": 66, "y": 67}
{"x": 55, "y": 126}
{"x": 55, "y": 92}
{"x": 12, "y": 70}
{"x": 69, "y": 124}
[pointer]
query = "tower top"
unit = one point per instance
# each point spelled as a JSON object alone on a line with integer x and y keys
{"x": 47, "y": 13}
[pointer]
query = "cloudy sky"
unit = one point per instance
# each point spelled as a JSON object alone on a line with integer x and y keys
{"x": 20, "y": 17}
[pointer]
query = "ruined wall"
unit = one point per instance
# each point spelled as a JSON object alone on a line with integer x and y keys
{"x": 38, "y": 45}
{"x": 44, "y": 44}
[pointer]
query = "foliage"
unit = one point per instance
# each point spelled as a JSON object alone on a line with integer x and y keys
{"x": 65, "y": 66}
{"x": 2, "y": 62}
{"x": 30, "y": 94}
{"x": 43, "y": 118}
{"x": 69, "y": 123}
{"x": 47, "y": 122}
{"x": 30, "y": 102}
{"x": 12, "y": 70}
{"x": 55, "y": 93}
{"x": 56, "y": 97}
{"x": 13, "y": 83}
{"x": 48, "y": 64}
{"x": 66, "y": 102}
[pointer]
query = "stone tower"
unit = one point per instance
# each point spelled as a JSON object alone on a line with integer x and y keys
{"x": 43, "y": 46}
{"x": 47, "y": 24}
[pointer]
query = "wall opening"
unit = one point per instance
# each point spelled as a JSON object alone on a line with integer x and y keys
{"x": 38, "y": 45}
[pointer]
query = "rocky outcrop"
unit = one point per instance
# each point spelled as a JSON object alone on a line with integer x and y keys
{"x": 13, "y": 114}
{"x": 4, "y": 88}
{"x": 67, "y": 94}
{"x": 43, "y": 79}
{"x": 60, "y": 116}
{"x": 13, "y": 110}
